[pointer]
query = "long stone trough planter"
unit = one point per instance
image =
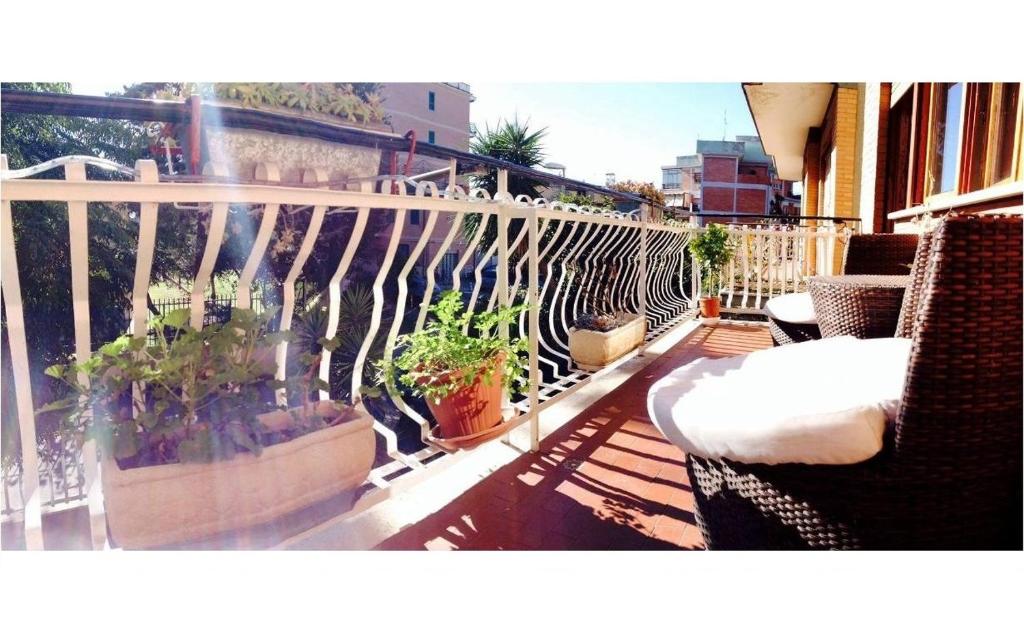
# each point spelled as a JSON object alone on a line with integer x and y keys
{"x": 182, "y": 502}
{"x": 592, "y": 350}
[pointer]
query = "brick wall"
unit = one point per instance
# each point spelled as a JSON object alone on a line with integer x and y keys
{"x": 845, "y": 142}
{"x": 717, "y": 200}
{"x": 719, "y": 169}
{"x": 750, "y": 201}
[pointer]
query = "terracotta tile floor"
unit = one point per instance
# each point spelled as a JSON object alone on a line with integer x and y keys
{"x": 607, "y": 480}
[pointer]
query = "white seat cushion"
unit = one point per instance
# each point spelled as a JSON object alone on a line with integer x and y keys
{"x": 818, "y": 402}
{"x": 792, "y": 308}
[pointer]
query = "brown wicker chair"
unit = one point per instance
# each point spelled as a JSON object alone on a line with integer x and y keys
{"x": 949, "y": 474}
{"x": 865, "y": 254}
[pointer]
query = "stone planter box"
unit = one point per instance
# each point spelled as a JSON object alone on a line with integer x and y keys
{"x": 593, "y": 350}
{"x": 181, "y": 502}
{"x": 241, "y": 150}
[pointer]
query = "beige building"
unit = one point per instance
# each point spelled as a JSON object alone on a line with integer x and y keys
{"x": 437, "y": 112}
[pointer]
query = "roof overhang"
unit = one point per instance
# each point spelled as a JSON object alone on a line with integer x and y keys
{"x": 783, "y": 113}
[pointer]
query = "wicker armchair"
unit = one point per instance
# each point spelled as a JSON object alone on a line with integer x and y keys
{"x": 949, "y": 474}
{"x": 865, "y": 254}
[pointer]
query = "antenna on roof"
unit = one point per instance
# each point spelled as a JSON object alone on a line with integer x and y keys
{"x": 725, "y": 123}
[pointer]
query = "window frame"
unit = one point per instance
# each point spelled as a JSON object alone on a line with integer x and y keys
{"x": 923, "y": 149}
{"x": 431, "y": 136}
{"x": 930, "y": 145}
{"x": 431, "y": 101}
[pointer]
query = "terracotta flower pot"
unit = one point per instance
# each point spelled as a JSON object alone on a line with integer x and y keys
{"x": 471, "y": 409}
{"x": 710, "y": 310}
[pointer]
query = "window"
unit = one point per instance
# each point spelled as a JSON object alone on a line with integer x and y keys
{"x": 430, "y": 136}
{"x": 414, "y": 217}
{"x": 944, "y": 138}
{"x": 696, "y": 177}
{"x": 990, "y": 134}
{"x": 670, "y": 179}
{"x": 898, "y": 143}
{"x": 1005, "y": 131}
{"x": 430, "y": 101}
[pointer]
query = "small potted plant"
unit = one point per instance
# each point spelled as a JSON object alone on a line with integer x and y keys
{"x": 461, "y": 376}
{"x": 712, "y": 250}
{"x": 193, "y": 439}
{"x": 598, "y": 339}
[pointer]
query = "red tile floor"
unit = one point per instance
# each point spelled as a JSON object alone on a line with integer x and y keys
{"x": 607, "y": 480}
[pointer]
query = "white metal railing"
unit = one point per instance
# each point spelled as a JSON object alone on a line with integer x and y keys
{"x": 558, "y": 258}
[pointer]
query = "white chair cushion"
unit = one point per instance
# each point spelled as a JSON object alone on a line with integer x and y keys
{"x": 792, "y": 308}
{"x": 818, "y": 402}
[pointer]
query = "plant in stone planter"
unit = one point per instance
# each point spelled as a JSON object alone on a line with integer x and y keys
{"x": 192, "y": 417}
{"x": 712, "y": 251}
{"x": 598, "y": 339}
{"x": 462, "y": 376}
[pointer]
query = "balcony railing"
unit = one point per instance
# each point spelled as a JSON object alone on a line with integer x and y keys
{"x": 560, "y": 259}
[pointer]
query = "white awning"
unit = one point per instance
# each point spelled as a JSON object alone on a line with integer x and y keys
{"x": 783, "y": 113}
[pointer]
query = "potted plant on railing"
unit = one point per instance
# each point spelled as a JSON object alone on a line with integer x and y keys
{"x": 193, "y": 440}
{"x": 598, "y": 339}
{"x": 712, "y": 251}
{"x": 461, "y": 376}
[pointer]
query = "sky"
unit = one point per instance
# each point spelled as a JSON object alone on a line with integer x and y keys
{"x": 631, "y": 129}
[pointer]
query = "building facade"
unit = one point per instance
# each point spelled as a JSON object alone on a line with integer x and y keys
{"x": 887, "y": 153}
{"x": 437, "y": 112}
{"x": 731, "y": 177}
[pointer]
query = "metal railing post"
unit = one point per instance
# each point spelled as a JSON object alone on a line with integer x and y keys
{"x": 13, "y": 307}
{"x": 534, "y": 301}
{"x": 642, "y": 279}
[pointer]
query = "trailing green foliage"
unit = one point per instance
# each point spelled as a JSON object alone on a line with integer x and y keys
{"x": 201, "y": 391}
{"x": 442, "y": 358}
{"x": 581, "y": 199}
{"x": 358, "y": 102}
{"x": 712, "y": 250}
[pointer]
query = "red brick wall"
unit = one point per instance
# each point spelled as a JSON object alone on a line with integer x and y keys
{"x": 718, "y": 200}
{"x": 750, "y": 201}
{"x": 753, "y": 174}
{"x": 719, "y": 169}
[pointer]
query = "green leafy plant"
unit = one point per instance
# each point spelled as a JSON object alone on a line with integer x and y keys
{"x": 578, "y": 198}
{"x": 359, "y": 102}
{"x": 199, "y": 392}
{"x": 443, "y": 358}
{"x": 645, "y": 189}
{"x": 712, "y": 250}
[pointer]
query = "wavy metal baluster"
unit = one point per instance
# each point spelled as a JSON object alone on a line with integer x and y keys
{"x": 334, "y": 285}
{"x": 396, "y": 324}
{"x": 214, "y": 240}
{"x": 390, "y": 438}
{"x": 270, "y": 173}
{"x": 288, "y": 301}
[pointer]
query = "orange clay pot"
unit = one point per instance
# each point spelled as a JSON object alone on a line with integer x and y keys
{"x": 471, "y": 409}
{"x": 710, "y": 307}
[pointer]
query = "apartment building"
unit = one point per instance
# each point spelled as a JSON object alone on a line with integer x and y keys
{"x": 439, "y": 114}
{"x": 734, "y": 177}
{"x": 889, "y": 153}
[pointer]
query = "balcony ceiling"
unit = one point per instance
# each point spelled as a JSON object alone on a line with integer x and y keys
{"x": 783, "y": 114}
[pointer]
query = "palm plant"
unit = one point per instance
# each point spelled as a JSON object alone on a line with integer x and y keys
{"x": 512, "y": 141}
